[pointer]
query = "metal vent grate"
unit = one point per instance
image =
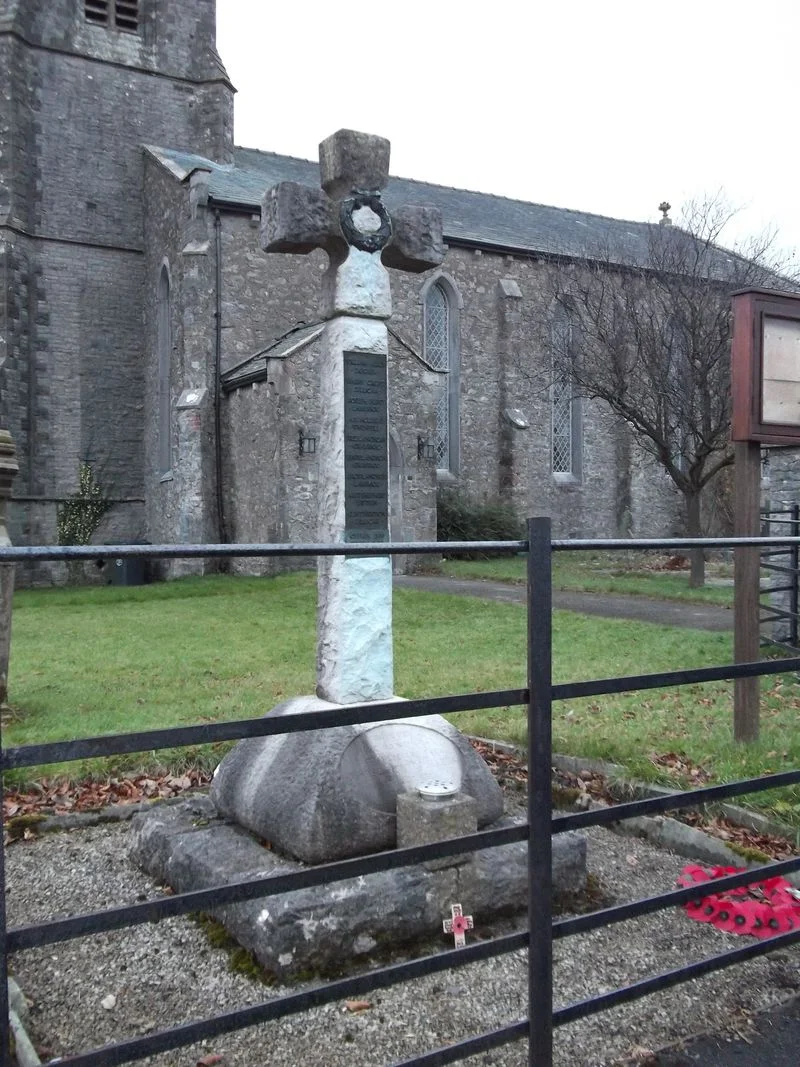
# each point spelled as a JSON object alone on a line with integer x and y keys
{"x": 121, "y": 14}
{"x": 96, "y": 11}
{"x": 127, "y": 15}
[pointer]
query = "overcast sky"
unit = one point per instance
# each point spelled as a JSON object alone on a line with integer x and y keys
{"x": 607, "y": 106}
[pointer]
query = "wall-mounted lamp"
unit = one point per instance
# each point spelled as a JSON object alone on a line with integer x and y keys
{"x": 425, "y": 449}
{"x": 308, "y": 445}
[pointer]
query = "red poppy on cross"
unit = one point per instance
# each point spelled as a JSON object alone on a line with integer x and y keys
{"x": 458, "y": 925}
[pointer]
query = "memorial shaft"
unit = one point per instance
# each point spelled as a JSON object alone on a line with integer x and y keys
{"x": 348, "y": 219}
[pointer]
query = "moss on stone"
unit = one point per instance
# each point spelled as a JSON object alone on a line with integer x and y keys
{"x": 753, "y": 855}
{"x": 16, "y": 827}
{"x": 564, "y": 796}
{"x": 240, "y": 960}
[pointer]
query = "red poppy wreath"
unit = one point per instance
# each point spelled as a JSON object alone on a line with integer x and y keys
{"x": 762, "y": 909}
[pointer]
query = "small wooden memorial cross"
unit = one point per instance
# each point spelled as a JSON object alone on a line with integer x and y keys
{"x": 348, "y": 219}
{"x": 458, "y": 925}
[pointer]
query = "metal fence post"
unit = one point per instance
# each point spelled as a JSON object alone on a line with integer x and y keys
{"x": 8, "y": 468}
{"x": 540, "y": 879}
{"x": 794, "y": 578}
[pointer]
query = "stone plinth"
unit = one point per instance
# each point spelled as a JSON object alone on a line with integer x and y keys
{"x": 422, "y": 820}
{"x": 186, "y": 846}
{"x": 328, "y": 794}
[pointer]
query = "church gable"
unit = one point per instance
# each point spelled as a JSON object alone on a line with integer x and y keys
{"x": 470, "y": 402}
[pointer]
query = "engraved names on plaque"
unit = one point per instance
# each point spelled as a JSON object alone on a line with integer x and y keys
{"x": 366, "y": 473}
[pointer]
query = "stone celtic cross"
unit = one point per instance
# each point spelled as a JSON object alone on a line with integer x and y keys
{"x": 348, "y": 219}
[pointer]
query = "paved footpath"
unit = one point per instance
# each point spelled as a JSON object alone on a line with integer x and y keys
{"x": 775, "y": 1042}
{"x": 640, "y": 608}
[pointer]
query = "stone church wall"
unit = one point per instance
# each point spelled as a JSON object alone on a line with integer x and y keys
{"x": 166, "y": 208}
{"x": 81, "y": 100}
{"x": 180, "y": 242}
{"x": 503, "y": 367}
{"x": 269, "y": 488}
{"x": 18, "y": 405}
{"x": 88, "y": 220}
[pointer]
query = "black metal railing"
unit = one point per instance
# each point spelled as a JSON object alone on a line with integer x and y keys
{"x": 538, "y": 695}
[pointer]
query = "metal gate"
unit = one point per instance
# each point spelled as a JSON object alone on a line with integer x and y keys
{"x": 779, "y": 600}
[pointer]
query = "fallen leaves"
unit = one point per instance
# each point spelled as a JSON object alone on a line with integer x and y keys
{"x": 209, "y": 1060}
{"x": 356, "y": 1006}
{"x": 586, "y": 786}
{"x": 777, "y": 848}
{"x": 505, "y": 766}
{"x": 643, "y": 1057}
{"x": 681, "y": 766}
{"x": 60, "y": 797}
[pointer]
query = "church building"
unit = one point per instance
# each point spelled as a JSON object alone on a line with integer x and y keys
{"x": 144, "y": 331}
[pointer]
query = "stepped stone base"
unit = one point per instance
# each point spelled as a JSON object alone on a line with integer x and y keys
{"x": 188, "y": 846}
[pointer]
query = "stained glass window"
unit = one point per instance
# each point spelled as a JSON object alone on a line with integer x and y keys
{"x": 438, "y": 355}
{"x": 565, "y": 413}
{"x": 437, "y": 329}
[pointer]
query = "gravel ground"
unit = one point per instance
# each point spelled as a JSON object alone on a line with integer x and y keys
{"x": 164, "y": 974}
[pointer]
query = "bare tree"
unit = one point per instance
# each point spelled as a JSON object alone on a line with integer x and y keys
{"x": 652, "y": 340}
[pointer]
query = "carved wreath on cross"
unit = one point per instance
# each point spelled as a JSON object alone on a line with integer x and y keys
{"x": 348, "y": 211}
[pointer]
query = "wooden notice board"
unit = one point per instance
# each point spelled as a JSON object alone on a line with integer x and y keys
{"x": 766, "y": 367}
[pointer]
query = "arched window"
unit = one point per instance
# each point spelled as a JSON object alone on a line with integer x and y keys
{"x": 440, "y": 322}
{"x": 567, "y": 437}
{"x": 164, "y": 342}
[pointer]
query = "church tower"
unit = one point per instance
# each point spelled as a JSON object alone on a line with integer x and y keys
{"x": 84, "y": 84}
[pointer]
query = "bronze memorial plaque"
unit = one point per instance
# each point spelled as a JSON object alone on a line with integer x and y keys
{"x": 366, "y": 456}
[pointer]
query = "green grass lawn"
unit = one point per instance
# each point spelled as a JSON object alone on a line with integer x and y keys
{"x": 624, "y": 573}
{"x": 103, "y": 660}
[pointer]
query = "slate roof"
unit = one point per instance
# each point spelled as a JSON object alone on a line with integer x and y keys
{"x": 254, "y": 368}
{"x": 468, "y": 217}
